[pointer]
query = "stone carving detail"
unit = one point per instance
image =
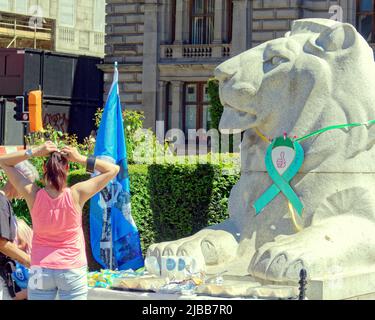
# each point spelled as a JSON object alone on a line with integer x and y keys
{"x": 321, "y": 73}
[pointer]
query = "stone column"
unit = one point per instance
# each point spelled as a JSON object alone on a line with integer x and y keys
{"x": 218, "y": 22}
{"x": 241, "y": 26}
{"x": 162, "y": 101}
{"x": 218, "y": 29}
{"x": 181, "y": 27}
{"x": 164, "y": 18}
{"x": 182, "y": 19}
{"x": 177, "y": 104}
{"x": 349, "y": 11}
{"x": 150, "y": 62}
{"x": 161, "y": 125}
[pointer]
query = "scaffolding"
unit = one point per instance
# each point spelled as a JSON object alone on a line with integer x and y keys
{"x": 21, "y": 31}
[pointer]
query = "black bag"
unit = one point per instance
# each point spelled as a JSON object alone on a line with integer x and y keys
{"x": 6, "y": 269}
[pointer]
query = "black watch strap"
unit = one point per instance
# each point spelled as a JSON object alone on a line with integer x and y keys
{"x": 90, "y": 164}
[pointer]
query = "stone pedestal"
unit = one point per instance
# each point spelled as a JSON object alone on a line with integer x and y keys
{"x": 348, "y": 287}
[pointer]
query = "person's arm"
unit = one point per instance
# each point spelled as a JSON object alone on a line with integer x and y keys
{"x": 24, "y": 186}
{"x": 14, "y": 158}
{"x": 83, "y": 191}
{"x": 22, "y": 295}
{"x": 11, "y": 250}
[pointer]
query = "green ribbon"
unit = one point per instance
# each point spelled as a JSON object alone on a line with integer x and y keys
{"x": 338, "y": 126}
{"x": 281, "y": 183}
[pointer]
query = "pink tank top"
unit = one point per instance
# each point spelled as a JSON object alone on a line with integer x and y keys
{"x": 58, "y": 240}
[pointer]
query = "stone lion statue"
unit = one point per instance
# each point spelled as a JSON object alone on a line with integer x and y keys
{"x": 321, "y": 73}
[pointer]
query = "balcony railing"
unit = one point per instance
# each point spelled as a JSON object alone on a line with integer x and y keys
{"x": 99, "y": 38}
{"x": 67, "y": 34}
{"x": 80, "y": 40}
{"x": 192, "y": 51}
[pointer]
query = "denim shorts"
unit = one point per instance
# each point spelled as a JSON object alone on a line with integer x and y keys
{"x": 67, "y": 284}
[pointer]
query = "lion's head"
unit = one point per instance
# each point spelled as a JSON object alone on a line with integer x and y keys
{"x": 319, "y": 67}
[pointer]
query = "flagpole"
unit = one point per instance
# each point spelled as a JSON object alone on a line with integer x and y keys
{"x": 111, "y": 250}
{"x": 111, "y": 247}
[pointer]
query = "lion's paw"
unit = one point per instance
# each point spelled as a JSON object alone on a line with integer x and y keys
{"x": 317, "y": 249}
{"x": 207, "y": 247}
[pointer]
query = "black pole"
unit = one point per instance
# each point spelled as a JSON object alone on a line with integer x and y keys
{"x": 24, "y": 134}
{"x": 302, "y": 282}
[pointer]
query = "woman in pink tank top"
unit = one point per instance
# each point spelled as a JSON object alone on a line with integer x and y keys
{"x": 58, "y": 257}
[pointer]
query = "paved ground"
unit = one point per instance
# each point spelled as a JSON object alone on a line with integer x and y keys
{"x": 106, "y": 294}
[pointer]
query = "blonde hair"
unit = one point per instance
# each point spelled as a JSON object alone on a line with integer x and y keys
{"x": 24, "y": 233}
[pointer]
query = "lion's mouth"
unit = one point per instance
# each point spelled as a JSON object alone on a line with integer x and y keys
{"x": 233, "y": 119}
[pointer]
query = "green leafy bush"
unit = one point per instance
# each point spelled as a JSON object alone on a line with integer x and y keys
{"x": 186, "y": 198}
{"x": 216, "y": 108}
{"x": 3, "y": 178}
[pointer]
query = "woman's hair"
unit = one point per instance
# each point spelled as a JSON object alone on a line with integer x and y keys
{"x": 24, "y": 234}
{"x": 56, "y": 170}
{"x": 28, "y": 170}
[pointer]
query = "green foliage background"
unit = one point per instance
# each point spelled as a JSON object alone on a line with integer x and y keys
{"x": 216, "y": 109}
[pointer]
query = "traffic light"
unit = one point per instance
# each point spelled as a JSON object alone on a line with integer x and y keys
{"x": 19, "y": 109}
{"x": 35, "y": 110}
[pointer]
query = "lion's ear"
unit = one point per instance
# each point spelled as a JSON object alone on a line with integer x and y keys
{"x": 339, "y": 37}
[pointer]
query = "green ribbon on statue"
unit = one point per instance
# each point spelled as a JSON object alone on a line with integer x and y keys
{"x": 281, "y": 181}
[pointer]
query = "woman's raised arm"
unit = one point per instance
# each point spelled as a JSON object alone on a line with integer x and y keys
{"x": 26, "y": 188}
{"x": 83, "y": 191}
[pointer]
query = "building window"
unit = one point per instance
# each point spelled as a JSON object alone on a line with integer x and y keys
{"x": 66, "y": 13}
{"x": 196, "y": 114}
{"x": 20, "y": 6}
{"x": 229, "y": 20}
{"x": 173, "y": 21}
{"x": 365, "y": 19}
{"x": 202, "y": 21}
{"x": 99, "y": 15}
{"x": 5, "y": 5}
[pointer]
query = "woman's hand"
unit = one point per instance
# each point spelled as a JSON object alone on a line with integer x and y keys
{"x": 73, "y": 155}
{"x": 45, "y": 149}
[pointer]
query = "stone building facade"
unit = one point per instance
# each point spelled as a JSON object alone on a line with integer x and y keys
{"x": 68, "y": 26}
{"x": 168, "y": 49}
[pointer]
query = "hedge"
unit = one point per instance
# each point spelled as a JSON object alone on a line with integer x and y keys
{"x": 169, "y": 201}
{"x": 216, "y": 109}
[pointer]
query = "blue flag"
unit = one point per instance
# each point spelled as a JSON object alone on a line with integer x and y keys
{"x": 115, "y": 239}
